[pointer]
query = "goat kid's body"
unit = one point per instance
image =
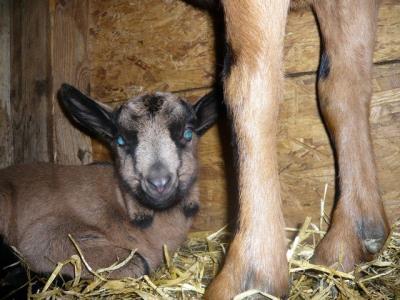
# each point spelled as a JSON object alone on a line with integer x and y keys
{"x": 253, "y": 84}
{"x": 146, "y": 199}
{"x": 40, "y": 204}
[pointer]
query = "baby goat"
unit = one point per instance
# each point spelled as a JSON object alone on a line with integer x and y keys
{"x": 109, "y": 210}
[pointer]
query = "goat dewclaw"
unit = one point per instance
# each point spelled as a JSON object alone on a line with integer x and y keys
{"x": 144, "y": 200}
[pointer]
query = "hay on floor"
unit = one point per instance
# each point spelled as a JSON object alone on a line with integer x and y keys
{"x": 186, "y": 273}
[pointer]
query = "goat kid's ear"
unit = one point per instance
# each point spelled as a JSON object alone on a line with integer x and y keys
{"x": 91, "y": 115}
{"x": 206, "y": 109}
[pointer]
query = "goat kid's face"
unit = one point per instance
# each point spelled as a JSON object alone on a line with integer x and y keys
{"x": 153, "y": 138}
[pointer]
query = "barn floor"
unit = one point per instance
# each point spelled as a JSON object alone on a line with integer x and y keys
{"x": 185, "y": 274}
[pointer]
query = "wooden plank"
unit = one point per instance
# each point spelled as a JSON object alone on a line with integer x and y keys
{"x": 305, "y": 156}
{"x": 169, "y": 45}
{"x": 49, "y": 41}
{"x": 69, "y": 60}
{"x": 30, "y": 79}
{"x": 6, "y": 146}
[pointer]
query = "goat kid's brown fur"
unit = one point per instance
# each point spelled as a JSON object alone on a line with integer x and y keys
{"x": 99, "y": 205}
{"x": 253, "y": 89}
{"x": 100, "y": 225}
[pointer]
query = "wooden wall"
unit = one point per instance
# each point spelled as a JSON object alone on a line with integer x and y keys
{"x": 117, "y": 49}
{"x": 42, "y": 44}
{"x": 167, "y": 45}
{"x": 6, "y": 138}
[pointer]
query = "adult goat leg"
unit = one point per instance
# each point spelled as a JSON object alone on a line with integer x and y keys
{"x": 253, "y": 89}
{"x": 359, "y": 226}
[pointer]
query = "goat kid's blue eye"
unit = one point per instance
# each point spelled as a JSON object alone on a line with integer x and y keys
{"x": 188, "y": 134}
{"x": 120, "y": 141}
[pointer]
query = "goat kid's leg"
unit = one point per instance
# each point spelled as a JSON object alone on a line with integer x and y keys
{"x": 105, "y": 254}
{"x": 359, "y": 226}
{"x": 53, "y": 245}
{"x": 191, "y": 202}
{"x": 140, "y": 215}
{"x": 253, "y": 89}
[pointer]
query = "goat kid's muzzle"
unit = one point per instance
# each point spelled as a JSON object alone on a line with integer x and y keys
{"x": 160, "y": 192}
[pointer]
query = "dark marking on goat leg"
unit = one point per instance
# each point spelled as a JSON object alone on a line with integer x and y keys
{"x": 229, "y": 61}
{"x": 373, "y": 236}
{"x": 142, "y": 220}
{"x": 324, "y": 67}
{"x": 146, "y": 267}
{"x": 190, "y": 209}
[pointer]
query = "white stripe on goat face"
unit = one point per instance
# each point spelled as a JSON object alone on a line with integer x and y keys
{"x": 156, "y": 146}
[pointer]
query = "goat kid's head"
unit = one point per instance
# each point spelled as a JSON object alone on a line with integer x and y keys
{"x": 153, "y": 139}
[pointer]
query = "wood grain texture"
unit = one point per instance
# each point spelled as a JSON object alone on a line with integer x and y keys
{"x": 69, "y": 60}
{"x": 30, "y": 79}
{"x": 167, "y": 45}
{"x": 148, "y": 45}
{"x": 49, "y": 42}
{"x": 302, "y": 45}
{"x": 6, "y": 138}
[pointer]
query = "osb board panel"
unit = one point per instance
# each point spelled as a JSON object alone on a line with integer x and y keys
{"x": 6, "y": 146}
{"x": 302, "y": 39}
{"x": 148, "y": 45}
{"x": 169, "y": 45}
{"x": 305, "y": 156}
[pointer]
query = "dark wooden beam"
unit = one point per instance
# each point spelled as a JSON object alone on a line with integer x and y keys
{"x": 69, "y": 60}
{"x": 48, "y": 42}
{"x": 30, "y": 77}
{"x": 6, "y": 138}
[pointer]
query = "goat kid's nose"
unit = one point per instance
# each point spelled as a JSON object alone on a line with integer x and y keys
{"x": 159, "y": 183}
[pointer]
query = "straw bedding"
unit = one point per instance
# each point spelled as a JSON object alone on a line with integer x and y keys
{"x": 186, "y": 273}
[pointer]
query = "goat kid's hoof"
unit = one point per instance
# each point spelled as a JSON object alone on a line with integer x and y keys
{"x": 143, "y": 220}
{"x": 190, "y": 209}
